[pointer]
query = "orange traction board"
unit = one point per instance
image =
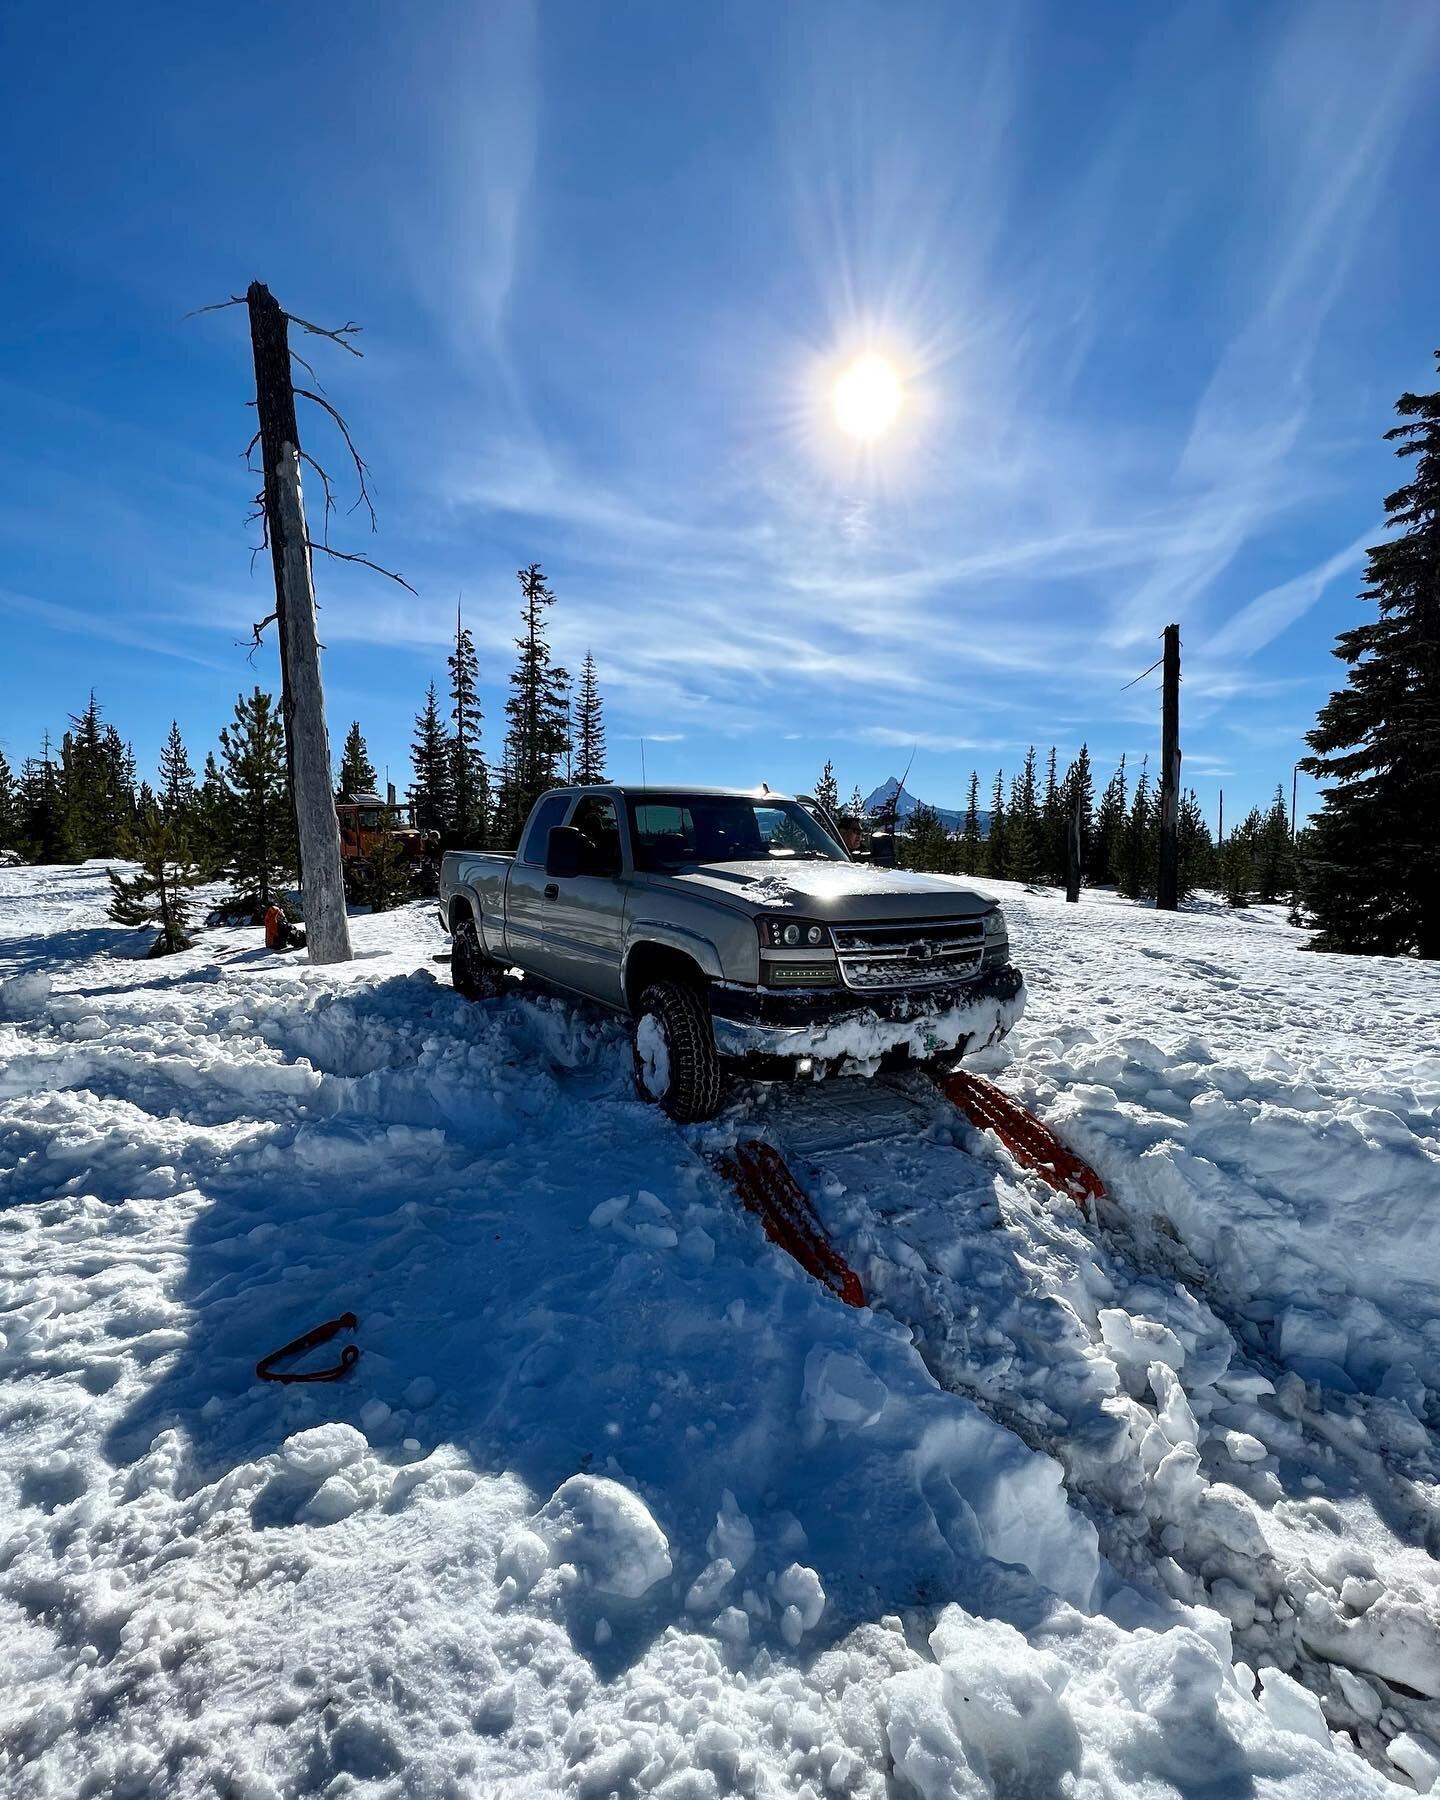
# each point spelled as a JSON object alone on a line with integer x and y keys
{"x": 758, "y": 1173}
{"x": 1033, "y": 1145}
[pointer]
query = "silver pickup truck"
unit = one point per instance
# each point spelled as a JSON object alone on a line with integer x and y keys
{"x": 736, "y": 932}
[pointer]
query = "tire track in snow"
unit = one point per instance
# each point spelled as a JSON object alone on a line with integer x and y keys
{"x": 1136, "y": 1459}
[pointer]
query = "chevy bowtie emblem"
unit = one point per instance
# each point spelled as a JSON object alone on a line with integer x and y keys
{"x": 922, "y": 952}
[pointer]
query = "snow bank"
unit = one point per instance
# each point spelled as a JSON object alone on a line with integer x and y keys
{"x": 1276, "y": 1110}
{"x": 615, "y": 1499}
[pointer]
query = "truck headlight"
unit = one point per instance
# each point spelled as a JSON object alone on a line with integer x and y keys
{"x": 996, "y": 931}
{"x": 793, "y": 934}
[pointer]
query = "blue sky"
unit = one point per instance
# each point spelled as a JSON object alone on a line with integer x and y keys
{"x": 1153, "y": 277}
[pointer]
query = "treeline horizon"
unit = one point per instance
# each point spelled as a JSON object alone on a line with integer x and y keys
{"x": 1030, "y": 818}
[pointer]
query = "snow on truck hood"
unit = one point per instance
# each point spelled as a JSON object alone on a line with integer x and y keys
{"x": 835, "y": 890}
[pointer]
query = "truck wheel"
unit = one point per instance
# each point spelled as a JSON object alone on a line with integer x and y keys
{"x": 471, "y": 971}
{"x": 676, "y": 1064}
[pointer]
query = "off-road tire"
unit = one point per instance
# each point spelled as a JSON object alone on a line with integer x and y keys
{"x": 696, "y": 1084}
{"x": 471, "y": 971}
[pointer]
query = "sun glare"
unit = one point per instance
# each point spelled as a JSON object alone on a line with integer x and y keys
{"x": 867, "y": 396}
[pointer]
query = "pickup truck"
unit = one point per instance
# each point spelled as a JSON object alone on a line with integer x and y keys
{"x": 736, "y": 932}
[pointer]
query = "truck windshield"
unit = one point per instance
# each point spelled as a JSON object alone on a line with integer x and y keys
{"x": 670, "y": 830}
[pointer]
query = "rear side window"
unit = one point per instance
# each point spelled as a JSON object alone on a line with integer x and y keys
{"x": 548, "y": 813}
{"x": 596, "y": 822}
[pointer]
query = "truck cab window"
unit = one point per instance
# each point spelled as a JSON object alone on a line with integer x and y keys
{"x": 549, "y": 812}
{"x": 597, "y": 823}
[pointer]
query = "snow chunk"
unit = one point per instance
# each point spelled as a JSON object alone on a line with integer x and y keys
{"x": 799, "y": 1591}
{"x": 24, "y": 996}
{"x": 652, "y": 1050}
{"x": 842, "y": 1388}
{"x": 1291, "y": 1707}
{"x": 322, "y": 1451}
{"x": 734, "y": 1536}
{"x": 1418, "y": 1758}
{"x": 608, "y": 1211}
{"x": 607, "y": 1533}
{"x": 1136, "y": 1342}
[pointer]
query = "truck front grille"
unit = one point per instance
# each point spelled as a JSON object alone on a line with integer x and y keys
{"x": 929, "y": 953}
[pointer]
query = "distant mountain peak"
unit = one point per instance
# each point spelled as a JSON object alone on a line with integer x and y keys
{"x": 884, "y": 796}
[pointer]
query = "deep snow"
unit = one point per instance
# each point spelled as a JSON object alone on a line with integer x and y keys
{"x": 616, "y": 1499}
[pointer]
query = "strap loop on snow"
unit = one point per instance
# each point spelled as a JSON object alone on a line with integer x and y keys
{"x": 322, "y": 1334}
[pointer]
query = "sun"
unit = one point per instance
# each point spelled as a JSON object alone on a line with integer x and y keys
{"x": 867, "y": 396}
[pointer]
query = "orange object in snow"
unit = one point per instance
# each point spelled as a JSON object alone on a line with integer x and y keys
{"x": 765, "y": 1185}
{"x": 277, "y": 928}
{"x": 1032, "y": 1144}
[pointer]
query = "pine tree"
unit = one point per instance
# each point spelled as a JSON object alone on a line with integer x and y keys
{"x": 431, "y": 798}
{"x": 538, "y": 710}
{"x": 212, "y": 820}
{"x": 177, "y": 778}
{"x": 827, "y": 789}
{"x": 1274, "y": 863}
{"x": 970, "y": 850}
{"x": 507, "y": 819}
{"x": 996, "y": 849}
{"x": 9, "y": 808}
{"x": 926, "y": 842}
{"x": 1078, "y": 787}
{"x": 389, "y": 878}
{"x": 1023, "y": 844}
{"x": 1139, "y": 852}
{"x": 357, "y": 772}
{"x": 1195, "y": 845}
{"x": 1053, "y": 825}
{"x": 85, "y": 785}
{"x": 119, "y": 761}
{"x": 469, "y": 778}
{"x": 1238, "y": 858}
{"x": 1373, "y": 868}
{"x": 261, "y": 854}
{"x": 1110, "y": 830}
{"x": 855, "y": 807}
{"x": 158, "y": 893}
{"x": 589, "y": 731}
{"x": 44, "y": 816}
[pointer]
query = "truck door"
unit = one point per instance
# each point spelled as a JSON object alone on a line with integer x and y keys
{"x": 526, "y": 902}
{"x": 585, "y": 915}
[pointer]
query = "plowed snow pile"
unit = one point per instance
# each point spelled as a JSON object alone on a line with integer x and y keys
{"x": 616, "y": 1500}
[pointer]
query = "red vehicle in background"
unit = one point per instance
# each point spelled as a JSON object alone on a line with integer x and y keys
{"x": 375, "y": 834}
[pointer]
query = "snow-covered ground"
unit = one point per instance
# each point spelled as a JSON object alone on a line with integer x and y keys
{"x": 617, "y": 1500}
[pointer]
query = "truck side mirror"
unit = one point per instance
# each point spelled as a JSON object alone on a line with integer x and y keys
{"x": 564, "y": 851}
{"x": 882, "y": 850}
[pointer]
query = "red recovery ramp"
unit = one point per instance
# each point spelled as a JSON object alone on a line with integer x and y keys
{"x": 1032, "y": 1144}
{"x": 758, "y": 1173}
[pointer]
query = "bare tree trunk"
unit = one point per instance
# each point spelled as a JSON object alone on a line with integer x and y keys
{"x": 1167, "y": 885}
{"x": 307, "y": 740}
{"x": 1072, "y": 847}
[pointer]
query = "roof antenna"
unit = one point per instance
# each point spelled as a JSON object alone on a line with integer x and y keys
{"x": 643, "y": 782}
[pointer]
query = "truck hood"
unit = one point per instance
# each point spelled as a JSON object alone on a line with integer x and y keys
{"x": 830, "y": 890}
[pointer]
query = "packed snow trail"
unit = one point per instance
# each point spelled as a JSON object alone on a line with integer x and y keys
{"x": 616, "y": 1500}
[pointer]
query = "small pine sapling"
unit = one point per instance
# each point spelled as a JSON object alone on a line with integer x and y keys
{"x": 159, "y": 892}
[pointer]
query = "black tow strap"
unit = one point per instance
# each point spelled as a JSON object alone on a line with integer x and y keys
{"x": 322, "y": 1334}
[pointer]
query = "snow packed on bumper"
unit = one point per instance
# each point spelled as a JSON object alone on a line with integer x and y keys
{"x": 863, "y": 1039}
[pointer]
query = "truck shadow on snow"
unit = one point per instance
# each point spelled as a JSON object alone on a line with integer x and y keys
{"x": 433, "y": 1167}
{"x": 436, "y": 1169}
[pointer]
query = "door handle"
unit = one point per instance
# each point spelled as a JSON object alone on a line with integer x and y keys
{"x": 552, "y": 890}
